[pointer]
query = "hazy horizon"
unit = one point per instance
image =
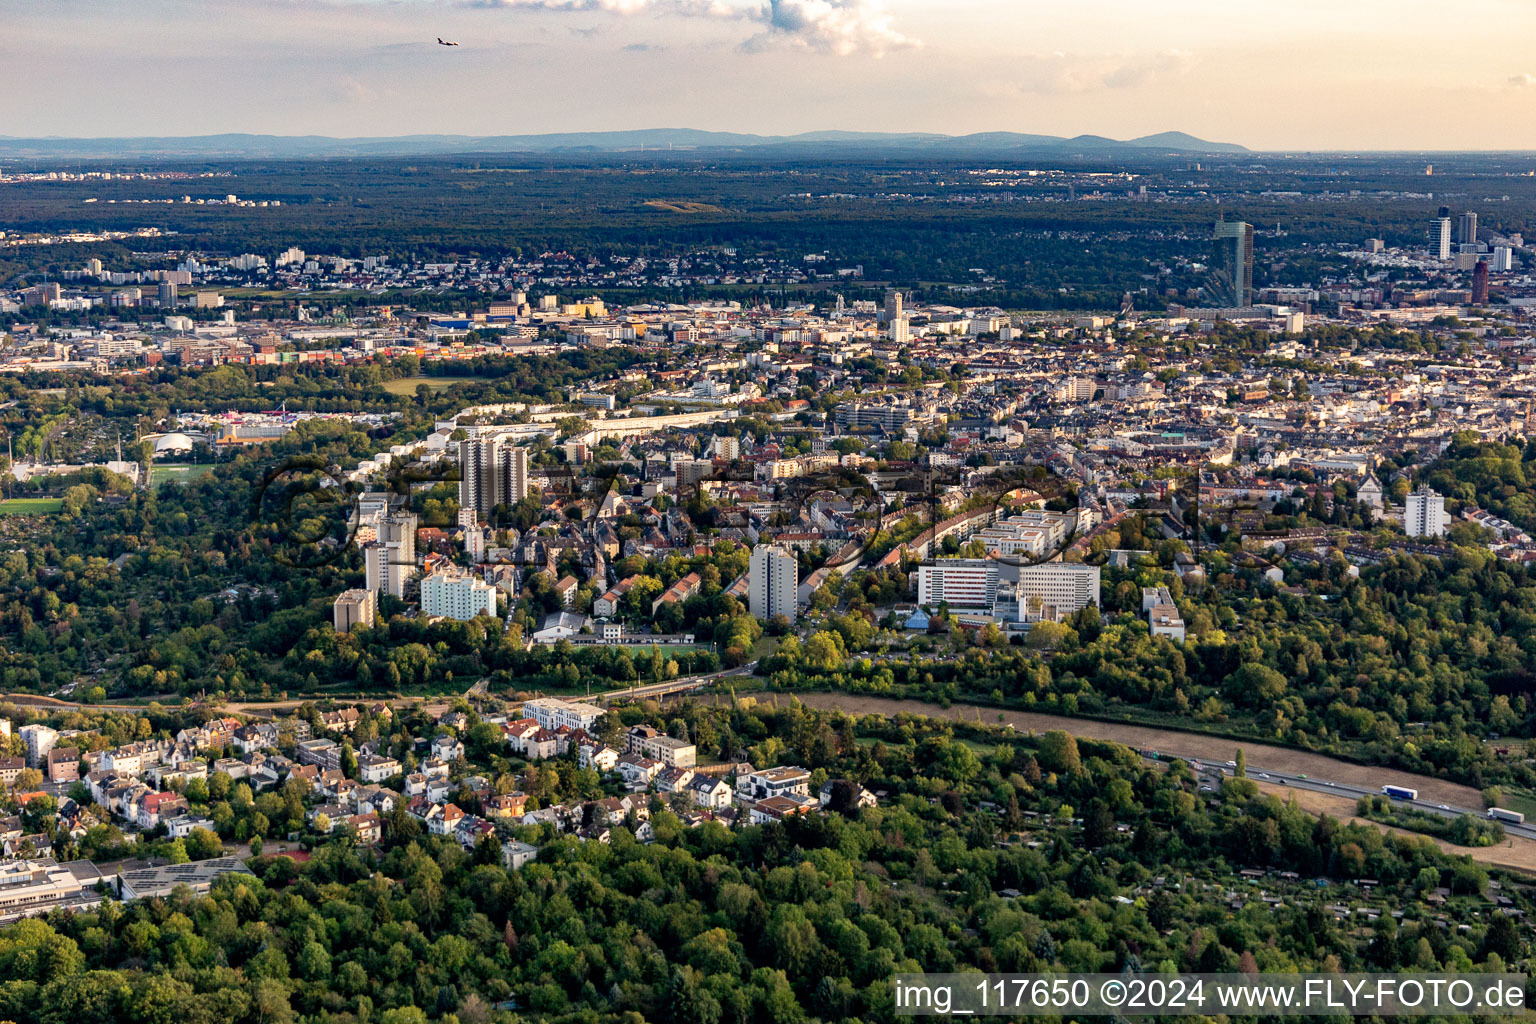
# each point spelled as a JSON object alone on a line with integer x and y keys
{"x": 1304, "y": 76}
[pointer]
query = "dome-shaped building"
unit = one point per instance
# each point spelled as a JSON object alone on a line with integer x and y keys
{"x": 174, "y": 443}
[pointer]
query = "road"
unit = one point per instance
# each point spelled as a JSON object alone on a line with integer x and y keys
{"x": 1332, "y": 787}
{"x": 1187, "y": 745}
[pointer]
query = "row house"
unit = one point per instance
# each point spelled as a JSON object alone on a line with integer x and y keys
{"x": 130, "y": 758}
{"x": 508, "y": 805}
{"x": 220, "y": 732}
{"x": 673, "y": 780}
{"x": 181, "y": 772}
{"x": 62, "y": 765}
{"x": 153, "y": 807}
{"x": 248, "y": 739}
{"x": 344, "y": 720}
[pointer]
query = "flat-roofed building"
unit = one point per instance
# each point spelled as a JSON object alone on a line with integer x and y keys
{"x": 354, "y": 608}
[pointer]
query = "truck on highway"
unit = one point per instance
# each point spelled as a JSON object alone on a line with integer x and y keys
{"x": 1400, "y": 792}
{"x": 1500, "y": 814}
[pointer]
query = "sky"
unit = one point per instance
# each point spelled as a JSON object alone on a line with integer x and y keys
{"x": 1293, "y": 75}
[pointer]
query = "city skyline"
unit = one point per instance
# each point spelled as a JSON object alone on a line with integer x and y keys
{"x": 355, "y": 67}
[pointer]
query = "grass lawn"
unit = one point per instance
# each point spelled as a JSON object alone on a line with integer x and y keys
{"x": 176, "y": 473}
{"x": 408, "y": 385}
{"x": 31, "y": 506}
{"x": 666, "y": 649}
{"x": 1522, "y": 802}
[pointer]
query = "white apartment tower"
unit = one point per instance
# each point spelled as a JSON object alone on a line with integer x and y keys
{"x": 457, "y": 596}
{"x": 1467, "y": 230}
{"x": 1425, "y": 514}
{"x": 773, "y": 583}
{"x": 391, "y": 560}
{"x": 1440, "y": 238}
{"x": 493, "y": 471}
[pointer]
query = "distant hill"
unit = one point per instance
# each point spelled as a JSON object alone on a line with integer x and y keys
{"x": 650, "y": 139}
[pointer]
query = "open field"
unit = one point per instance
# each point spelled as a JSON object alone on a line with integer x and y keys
{"x": 1180, "y": 744}
{"x": 31, "y": 506}
{"x": 408, "y": 385}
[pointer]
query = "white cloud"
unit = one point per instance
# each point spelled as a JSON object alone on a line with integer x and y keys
{"x": 1523, "y": 81}
{"x": 842, "y": 27}
{"x": 1065, "y": 73}
{"x": 352, "y": 90}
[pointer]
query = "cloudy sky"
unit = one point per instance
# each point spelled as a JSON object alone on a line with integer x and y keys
{"x": 1298, "y": 74}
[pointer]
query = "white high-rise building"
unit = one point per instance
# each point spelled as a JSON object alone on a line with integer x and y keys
{"x": 1503, "y": 260}
{"x": 1055, "y": 590}
{"x": 457, "y": 596}
{"x": 39, "y": 740}
{"x": 726, "y": 448}
{"x": 958, "y": 582}
{"x": 1467, "y": 232}
{"x": 901, "y": 331}
{"x": 773, "y": 583}
{"x": 391, "y": 560}
{"x": 1440, "y": 238}
{"x": 493, "y": 471}
{"x": 1425, "y": 514}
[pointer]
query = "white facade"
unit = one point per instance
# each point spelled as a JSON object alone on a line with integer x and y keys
{"x": 1064, "y": 587}
{"x": 1425, "y": 514}
{"x": 958, "y": 582}
{"x": 552, "y": 713}
{"x": 39, "y": 740}
{"x": 456, "y": 596}
{"x": 1440, "y": 238}
{"x": 773, "y": 583}
{"x": 391, "y": 560}
{"x": 493, "y": 471}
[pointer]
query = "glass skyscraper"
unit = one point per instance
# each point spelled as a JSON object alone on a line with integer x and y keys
{"x": 1231, "y": 273}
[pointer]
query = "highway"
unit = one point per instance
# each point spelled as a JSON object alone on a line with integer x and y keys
{"x": 1353, "y": 792}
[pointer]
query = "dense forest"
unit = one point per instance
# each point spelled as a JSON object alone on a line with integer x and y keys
{"x": 918, "y": 223}
{"x": 988, "y": 851}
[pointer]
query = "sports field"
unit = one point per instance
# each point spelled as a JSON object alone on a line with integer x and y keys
{"x": 408, "y": 385}
{"x": 31, "y": 506}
